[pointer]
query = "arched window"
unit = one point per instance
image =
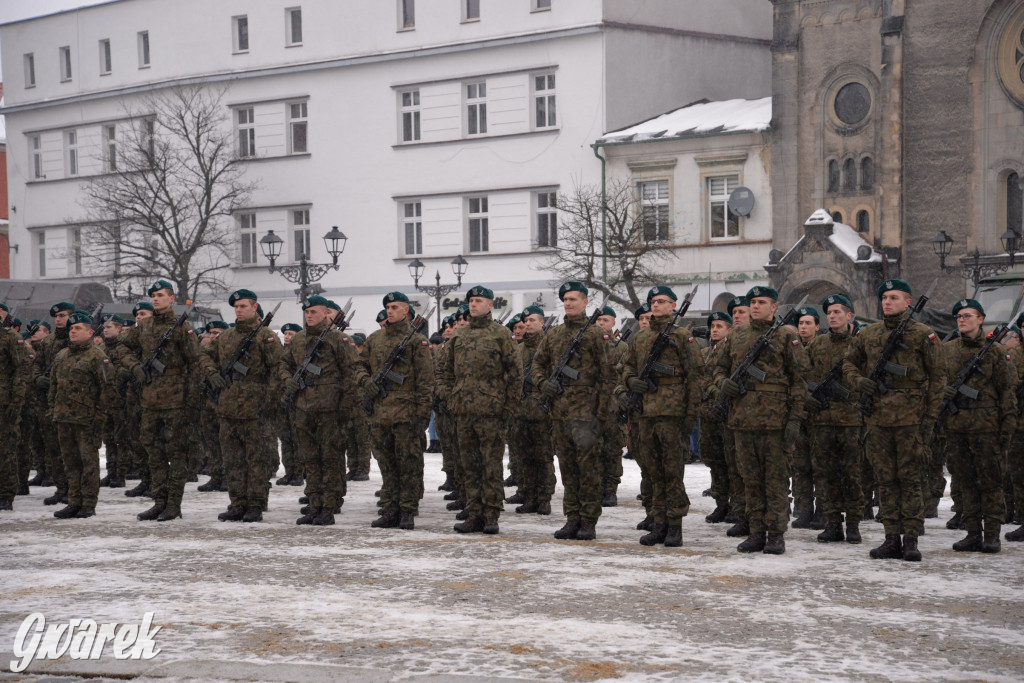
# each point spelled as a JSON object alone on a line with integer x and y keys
{"x": 837, "y": 216}
{"x": 849, "y": 175}
{"x": 867, "y": 173}
{"x": 1014, "y": 202}
{"x": 833, "y": 176}
{"x": 863, "y": 221}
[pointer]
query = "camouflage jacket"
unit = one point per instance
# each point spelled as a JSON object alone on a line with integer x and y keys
{"x": 1017, "y": 359}
{"x": 407, "y": 402}
{"x": 333, "y": 359}
{"x": 250, "y": 394}
{"x": 46, "y": 353}
{"x": 823, "y": 353}
{"x": 914, "y": 399}
{"x": 116, "y": 404}
{"x": 166, "y": 391}
{"x": 528, "y": 393}
{"x": 995, "y": 409}
{"x": 350, "y": 392}
{"x": 81, "y": 384}
{"x": 708, "y": 390}
{"x": 481, "y": 373}
{"x": 678, "y": 393}
{"x": 14, "y": 368}
{"x": 780, "y": 398}
{"x": 582, "y": 398}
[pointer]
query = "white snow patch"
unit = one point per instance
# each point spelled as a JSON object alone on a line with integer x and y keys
{"x": 727, "y": 116}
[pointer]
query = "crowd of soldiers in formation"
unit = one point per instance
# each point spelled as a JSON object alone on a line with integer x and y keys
{"x": 851, "y": 417}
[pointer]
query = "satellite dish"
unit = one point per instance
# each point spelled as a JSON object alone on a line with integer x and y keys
{"x": 741, "y": 202}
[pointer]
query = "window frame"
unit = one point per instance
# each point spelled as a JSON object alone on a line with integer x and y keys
{"x": 645, "y": 207}
{"x": 475, "y": 107}
{"x": 290, "y": 24}
{"x": 480, "y": 220}
{"x": 296, "y": 123}
{"x": 64, "y": 57}
{"x": 406, "y": 15}
{"x": 29, "y": 64}
{"x": 248, "y": 129}
{"x": 547, "y": 95}
{"x": 470, "y": 11}
{"x": 35, "y": 151}
{"x": 247, "y": 238}
{"x": 75, "y": 251}
{"x": 410, "y": 112}
{"x": 72, "y": 167}
{"x": 237, "y": 22}
{"x": 723, "y": 199}
{"x": 299, "y": 224}
{"x": 536, "y": 6}
{"x": 543, "y": 216}
{"x": 142, "y": 38}
{"x": 110, "y": 148}
{"x": 106, "y": 58}
{"x": 40, "y": 246}
{"x": 411, "y": 217}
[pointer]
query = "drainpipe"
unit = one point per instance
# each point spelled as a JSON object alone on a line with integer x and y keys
{"x": 604, "y": 243}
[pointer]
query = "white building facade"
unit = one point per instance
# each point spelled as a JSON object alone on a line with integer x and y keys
{"x": 422, "y": 129}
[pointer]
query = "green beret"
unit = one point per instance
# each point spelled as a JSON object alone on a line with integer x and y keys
{"x": 241, "y": 294}
{"x": 572, "y": 286}
{"x": 737, "y": 301}
{"x": 532, "y": 310}
{"x": 230, "y": 325}
{"x": 461, "y": 312}
{"x": 291, "y": 327}
{"x": 644, "y": 308}
{"x": 481, "y": 292}
{"x": 216, "y": 325}
{"x": 392, "y": 297}
{"x": 608, "y": 310}
{"x": 513, "y": 321}
{"x": 359, "y": 338}
{"x": 1019, "y": 320}
{"x": 46, "y": 324}
{"x": 332, "y": 305}
{"x": 718, "y": 315}
{"x": 158, "y": 285}
{"x": 142, "y": 306}
{"x": 382, "y": 316}
{"x": 5, "y": 306}
{"x": 34, "y": 321}
{"x": 833, "y": 299}
{"x": 116, "y": 318}
{"x": 663, "y": 290}
{"x": 968, "y": 303}
{"x": 808, "y": 310}
{"x": 315, "y": 300}
{"x": 16, "y": 322}
{"x": 894, "y": 284}
{"x": 259, "y": 310}
{"x": 766, "y": 292}
{"x": 446, "y": 322}
{"x": 62, "y": 306}
{"x": 79, "y": 317}
{"x": 1012, "y": 328}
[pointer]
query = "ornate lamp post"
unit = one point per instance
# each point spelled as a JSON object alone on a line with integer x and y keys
{"x": 306, "y": 273}
{"x": 459, "y": 266}
{"x": 975, "y": 269}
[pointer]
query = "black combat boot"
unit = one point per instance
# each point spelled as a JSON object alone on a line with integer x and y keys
{"x": 448, "y": 484}
{"x": 852, "y": 531}
{"x": 833, "y": 532}
{"x": 971, "y": 543}
{"x": 775, "y": 545}
{"x": 67, "y": 512}
{"x": 387, "y": 520}
{"x": 588, "y": 530}
{"x": 284, "y": 481}
{"x": 803, "y": 517}
{"x": 139, "y": 489}
{"x": 324, "y": 517}
{"x": 105, "y": 482}
{"x": 116, "y": 481}
{"x": 931, "y": 510}
{"x": 516, "y": 498}
{"x": 910, "y": 551}
{"x": 1015, "y": 536}
{"x": 434, "y": 446}
{"x": 54, "y": 499}
{"x": 544, "y": 507}
{"x": 610, "y": 500}
{"x": 308, "y": 518}
{"x": 453, "y": 494}
{"x": 739, "y": 529}
{"x": 455, "y": 505}
{"x": 234, "y": 513}
{"x": 869, "y": 513}
{"x": 356, "y": 476}
{"x": 569, "y": 531}
{"x": 463, "y": 515}
{"x": 732, "y": 517}
{"x": 38, "y": 479}
{"x": 303, "y": 500}
{"x": 510, "y": 480}
{"x": 152, "y": 513}
{"x": 527, "y": 508}
{"x": 706, "y": 493}
{"x": 473, "y": 525}
{"x": 674, "y": 537}
{"x": 818, "y": 520}
{"x": 22, "y": 489}
{"x": 406, "y": 521}
{"x": 6, "y": 504}
{"x": 253, "y": 514}
{"x": 646, "y": 524}
{"x": 491, "y": 523}
{"x": 655, "y": 535}
{"x": 991, "y": 543}
{"x": 955, "y": 522}
{"x": 891, "y": 548}
{"x": 212, "y": 485}
{"x": 753, "y": 544}
{"x": 85, "y": 512}
{"x": 376, "y": 494}
{"x": 171, "y": 511}
{"x": 48, "y": 481}
{"x": 192, "y": 478}
{"x": 718, "y": 514}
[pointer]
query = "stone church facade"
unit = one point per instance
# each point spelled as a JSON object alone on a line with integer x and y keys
{"x": 900, "y": 118}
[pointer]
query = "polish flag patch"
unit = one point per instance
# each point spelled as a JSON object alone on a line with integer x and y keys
{"x": 424, "y": 343}
{"x": 191, "y": 332}
{"x": 931, "y": 336}
{"x": 796, "y": 342}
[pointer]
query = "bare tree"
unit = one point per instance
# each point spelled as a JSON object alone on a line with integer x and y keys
{"x": 620, "y": 258}
{"x": 163, "y": 208}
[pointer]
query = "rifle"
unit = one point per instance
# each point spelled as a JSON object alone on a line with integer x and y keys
{"x": 234, "y": 367}
{"x": 635, "y": 400}
{"x": 627, "y": 330}
{"x": 549, "y": 322}
{"x": 884, "y": 366}
{"x": 504, "y": 316}
{"x": 153, "y": 366}
{"x": 97, "y": 323}
{"x": 562, "y": 371}
{"x": 387, "y": 372}
{"x": 8, "y": 321}
{"x": 747, "y": 368}
{"x": 829, "y": 388}
{"x": 313, "y": 352}
{"x": 960, "y": 383}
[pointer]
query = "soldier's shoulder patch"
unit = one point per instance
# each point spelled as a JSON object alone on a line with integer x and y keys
{"x": 424, "y": 343}
{"x": 690, "y": 339}
{"x": 931, "y": 336}
{"x": 796, "y": 342}
{"x": 31, "y": 356}
{"x": 190, "y": 331}
{"x": 1008, "y": 357}
{"x": 21, "y": 341}
{"x": 106, "y": 361}
{"x": 606, "y": 337}
{"x": 269, "y": 339}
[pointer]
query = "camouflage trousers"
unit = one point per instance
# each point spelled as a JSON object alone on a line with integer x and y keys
{"x": 359, "y": 446}
{"x": 481, "y": 450}
{"x": 577, "y": 444}
{"x": 163, "y": 438}
{"x": 837, "y": 455}
{"x": 1015, "y": 472}
{"x": 80, "y": 449}
{"x": 30, "y": 456}
{"x": 515, "y": 456}
{"x": 536, "y": 477}
{"x": 896, "y": 455}
{"x": 640, "y": 457}
{"x": 241, "y": 446}
{"x": 320, "y": 439}
{"x": 450, "y": 461}
{"x": 764, "y": 465}
{"x": 712, "y": 454}
{"x": 113, "y": 441}
{"x": 666, "y": 449}
{"x": 399, "y": 452}
{"x": 933, "y": 483}
{"x": 140, "y": 459}
{"x": 290, "y": 456}
{"x": 210, "y": 425}
{"x": 9, "y": 461}
{"x": 272, "y": 451}
{"x": 193, "y": 430}
{"x": 808, "y": 480}
{"x": 51, "y": 450}
{"x": 977, "y": 460}
{"x": 610, "y": 456}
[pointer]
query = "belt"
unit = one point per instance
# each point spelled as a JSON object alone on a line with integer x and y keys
{"x": 906, "y": 384}
{"x": 971, "y": 405}
{"x": 580, "y": 383}
{"x": 170, "y": 372}
{"x": 770, "y": 388}
{"x": 662, "y": 381}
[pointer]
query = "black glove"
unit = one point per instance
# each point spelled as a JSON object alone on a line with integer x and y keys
{"x": 811, "y": 404}
{"x": 371, "y": 388}
{"x": 623, "y": 401}
{"x": 290, "y": 387}
{"x": 638, "y": 385}
{"x": 123, "y": 375}
{"x": 729, "y": 388}
{"x": 948, "y": 392}
{"x": 550, "y": 388}
{"x": 867, "y": 386}
{"x": 216, "y": 381}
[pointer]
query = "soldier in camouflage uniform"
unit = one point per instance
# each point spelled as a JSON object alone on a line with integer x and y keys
{"x": 162, "y": 423}
{"x": 399, "y": 419}
{"x": 46, "y": 353}
{"x": 668, "y": 415}
{"x": 241, "y": 407}
{"x": 317, "y": 424}
{"x": 515, "y": 327}
{"x": 444, "y": 422}
{"x": 209, "y": 425}
{"x": 290, "y": 456}
{"x": 578, "y": 411}
{"x": 481, "y": 378}
{"x": 614, "y": 437}
{"x": 981, "y": 432}
{"x": 532, "y": 426}
{"x": 900, "y": 426}
{"x": 138, "y": 467}
{"x": 14, "y": 357}
{"x": 1015, "y": 457}
{"x": 713, "y": 439}
{"x": 31, "y": 434}
{"x": 808, "y": 482}
{"x": 764, "y": 419}
{"x": 80, "y": 385}
{"x": 457, "y": 501}
{"x": 359, "y": 453}
{"x": 114, "y": 435}
{"x": 835, "y": 431}
{"x": 739, "y": 308}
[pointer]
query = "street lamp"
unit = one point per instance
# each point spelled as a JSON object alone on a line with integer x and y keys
{"x": 416, "y": 267}
{"x": 306, "y": 273}
{"x": 975, "y": 269}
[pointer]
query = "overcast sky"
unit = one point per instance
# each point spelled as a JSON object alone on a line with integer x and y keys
{"x": 13, "y": 10}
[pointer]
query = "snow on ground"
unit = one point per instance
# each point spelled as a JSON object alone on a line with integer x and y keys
{"x": 391, "y": 604}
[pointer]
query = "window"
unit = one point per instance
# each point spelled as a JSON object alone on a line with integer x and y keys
{"x": 863, "y": 221}
{"x": 240, "y": 33}
{"x": 75, "y": 252}
{"x": 110, "y": 148}
{"x": 476, "y": 108}
{"x": 723, "y": 224}
{"x": 547, "y": 220}
{"x": 837, "y": 216}
{"x": 412, "y": 228}
{"x": 833, "y": 176}
{"x": 539, "y": 5}
{"x": 407, "y": 8}
{"x": 35, "y": 145}
{"x": 71, "y": 152}
{"x": 867, "y": 174}
{"x": 478, "y": 224}
{"x": 65, "y": 63}
{"x": 470, "y": 10}
{"x": 544, "y": 99}
{"x": 411, "y": 116}
{"x": 297, "y": 128}
{"x": 247, "y": 228}
{"x": 300, "y": 234}
{"x": 150, "y": 139}
{"x": 30, "y": 70}
{"x": 849, "y": 175}
{"x": 1014, "y": 203}
{"x": 654, "y": 209}
{"x": 143, "y": 49}
{"x": 105, "y": 63}
{"x": 41, "y": 253}
{"x": 293, "y": 20}
{"x": 246, "y": 132}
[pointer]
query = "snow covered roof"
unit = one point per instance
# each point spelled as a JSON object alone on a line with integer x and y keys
{"x": 700, "y": 118}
